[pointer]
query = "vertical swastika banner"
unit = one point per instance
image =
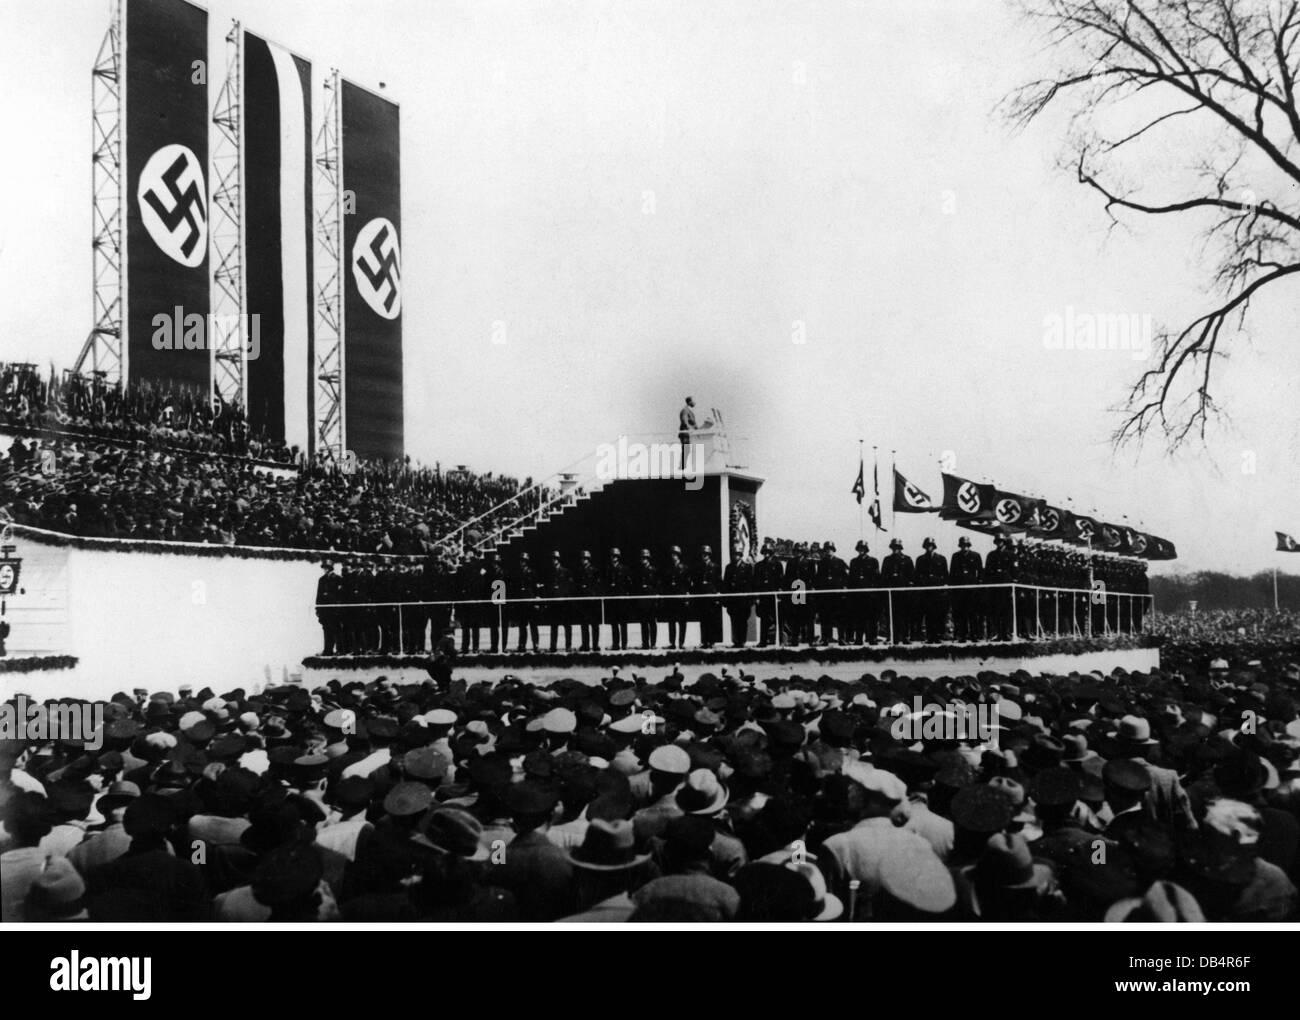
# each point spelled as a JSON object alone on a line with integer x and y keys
{"x": 277, "y": 238}
{"x": 166, "y": 128}
{"x": 372, "y": 273}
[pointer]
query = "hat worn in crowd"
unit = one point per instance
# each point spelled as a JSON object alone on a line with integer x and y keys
{"x": 671, "y": 759}
{"x": 702, "y": 794}
{"x": 609, "y": 845}
{"x": 455, "y": 831}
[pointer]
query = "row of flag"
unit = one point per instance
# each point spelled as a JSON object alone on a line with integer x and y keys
{"x": 983, "y": 507}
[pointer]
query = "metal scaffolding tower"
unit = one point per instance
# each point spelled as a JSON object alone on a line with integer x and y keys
{"x": 104, "y": 352}
{"x": 330, "y": 430}
{"x": 229, "y": 296}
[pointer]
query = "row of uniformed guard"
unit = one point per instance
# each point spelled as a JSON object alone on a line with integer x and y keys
{"x": 812, "y": 598}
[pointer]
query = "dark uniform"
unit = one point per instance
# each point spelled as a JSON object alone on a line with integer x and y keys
{"x": 705, "y": 583}
{"x": 966, "y": 572}
{"x": 469, "y": 586}
{"x": 832, "y": 576}
{"x": 524, "y": 589}
{"x": 800, "y": 579}
{"x": 618, "y": 581}
{"x": 898, "y": 573}
{"x": 864, "y": 607}
{"x": 586, "y": 581}
{"x": 932, "y": 570}
{"x": 329, "y": 589}
{"x": 737, "y": 577}
{"x": 645, "y": 583}
{"x": 997, "y": 601}
{"x": 676, "y": 580}
{"x": 494, "y": 587}
{"x": 769, "y": 575}
{"x": 559, "y": 586}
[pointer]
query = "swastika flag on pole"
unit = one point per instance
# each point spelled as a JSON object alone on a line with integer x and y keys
{"x": 908, "y": 499}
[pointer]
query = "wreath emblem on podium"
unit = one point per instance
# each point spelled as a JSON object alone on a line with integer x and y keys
{"x": 744, "y": 528}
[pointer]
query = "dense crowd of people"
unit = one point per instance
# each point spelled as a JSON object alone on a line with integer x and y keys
{"x": 816, "y": 598}
{"x": 1122, "y": 797}
{"x": 100, "y": 488}
{"x": 142, "y": 413}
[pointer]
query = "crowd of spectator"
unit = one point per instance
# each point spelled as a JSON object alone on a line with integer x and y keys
{"x": 998, "y": 797}
{"x": 142, "y": 413}
{"x": 100, "y": 488}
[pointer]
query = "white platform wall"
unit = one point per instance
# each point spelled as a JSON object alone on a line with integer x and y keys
{"x": 156, "y": 620}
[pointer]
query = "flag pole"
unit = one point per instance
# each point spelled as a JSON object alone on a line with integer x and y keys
{"x": 893, "y": 482}
{"x": 861, "y": 524}
{"x": 1275, "y": 588}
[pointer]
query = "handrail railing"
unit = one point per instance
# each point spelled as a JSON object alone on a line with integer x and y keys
{"x": 508, "y": 610}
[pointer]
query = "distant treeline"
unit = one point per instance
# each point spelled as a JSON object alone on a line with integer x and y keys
{"x": 1214, "y": 590}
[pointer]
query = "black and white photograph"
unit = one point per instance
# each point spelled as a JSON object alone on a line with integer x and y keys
{"x": 662, "y": 466}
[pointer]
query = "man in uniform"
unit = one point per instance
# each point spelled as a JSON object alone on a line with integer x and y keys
{"x": 328, "y": 591}
{"x": 800, "y": 577}
{"x": 587, "y": 582}
{"x": 737, "y": 577}
{"x": 492, "y": 581}
{"x": 997, "y": 601}
{"x": 864, "y": 607}
{"x": 966, "y": 571}
{"x": 618, "y": 581}
{"x": 897, "y": 573}
{"x": 685, "y": 426}
{"x": 469, "y": 587}
{"x": 769, "y": 575}
{"x": 645, "y": 583}
{"x": 559, "y": 586}
{"x": 704, "y": 583}
{"x": 832, "y": 576}
{"x": 676, "y": 580}
{"x": 932, "y": 572}
{"x": 524, "y": 587}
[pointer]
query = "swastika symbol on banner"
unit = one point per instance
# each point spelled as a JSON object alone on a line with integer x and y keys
{"x": 377, "y": 267}
{"x": 1110, "y": 536}
{"x": 915, "y": 496}
{"x": 1137, "y": 543}
{"x": 968, "y": 497}
{"x": 1051, "y": 520}
{"x": 1008, "y": 511}
{"x": 173, "y": 204}
{"x": 1085, "y": 530}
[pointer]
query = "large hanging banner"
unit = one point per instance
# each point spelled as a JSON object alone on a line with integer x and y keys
{"x": 166, "y": 192}
{"x": 372, "y": 273}
{"x": 278, "y": 239}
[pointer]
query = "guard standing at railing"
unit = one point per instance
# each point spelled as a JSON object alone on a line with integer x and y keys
{"x": 966, "y": 571}
{"x": 618, "y": 581}
{"x": 469, "y": 587}
{"x": 997, "y": 608}
{"x": 645, "y": 584}
{"x": 328, "y": 590}
{"x": 433, "y": 587}
{"x": 705, "y": 584}
{"x": 738, "y": 576}
{"x": 898, "y": 574}
{"x": 525, "y": 588}
{"x": 1024, "y": 570}
{"x": 864, "y": 607}
{"x": 769, "y": 575}
{"x": 492, "y": 581}
{"x": 559, "y": 586}
{"x": 676, "y": 580}
{"x": 800, "y": 579}
{"x": 586, "y": 581}
{"x": 832, "y": 576}
{"x": 932, "y": 570}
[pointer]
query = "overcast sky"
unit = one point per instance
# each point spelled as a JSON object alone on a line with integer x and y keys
{"x": 658, "y": 198}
